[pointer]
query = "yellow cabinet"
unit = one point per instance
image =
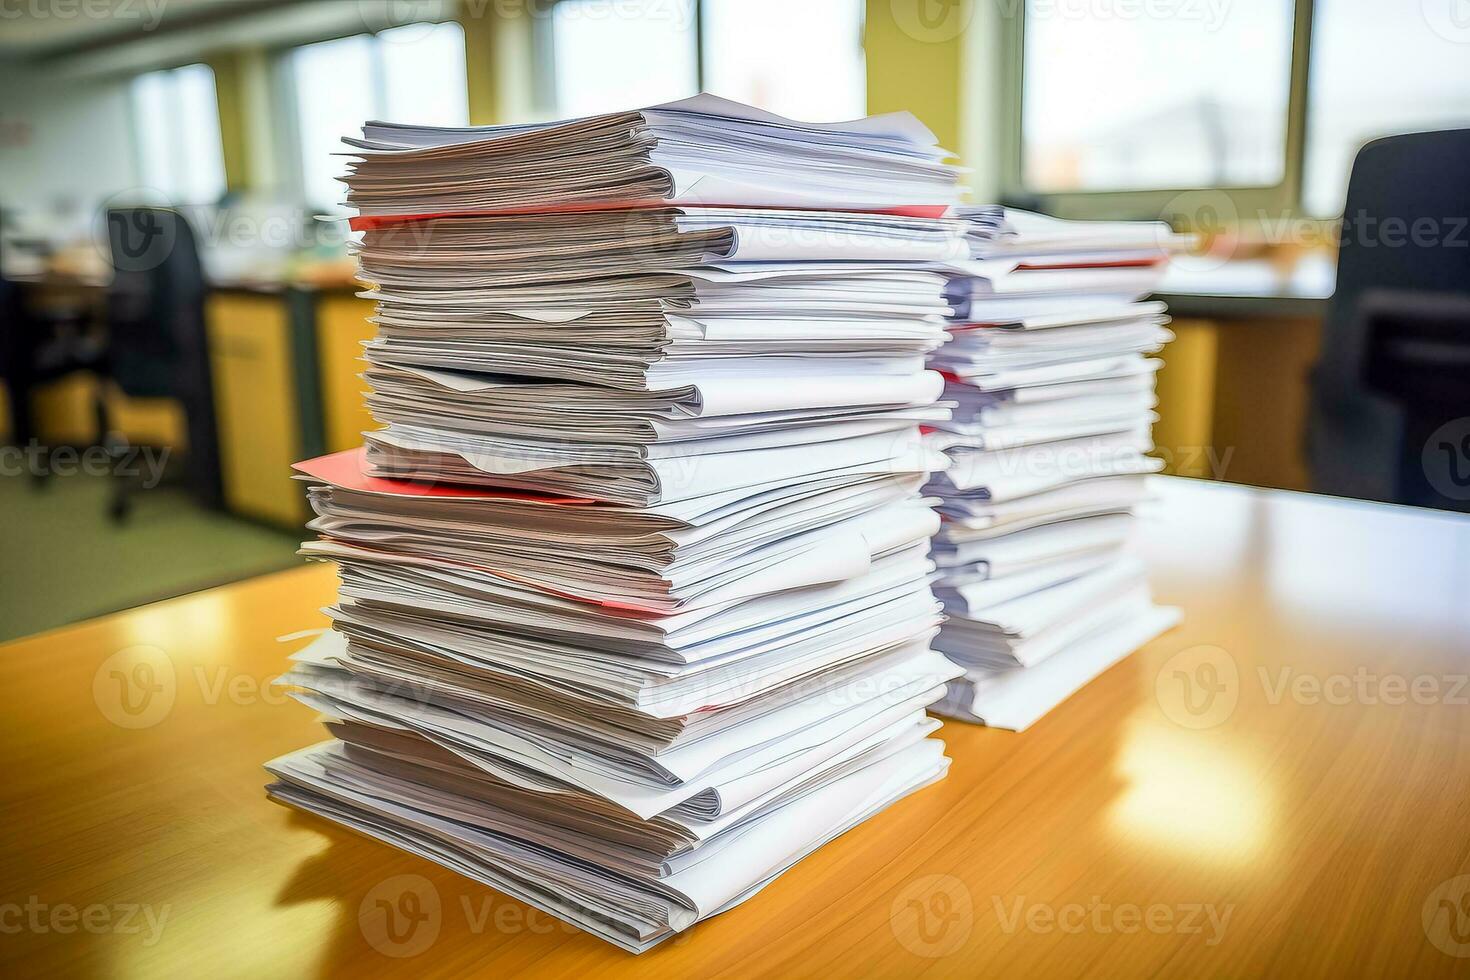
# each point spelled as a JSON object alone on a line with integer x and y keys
{"x": 252, "y": 356}
{"x": 341, "y": 327}
{"x": 1233, "y": 397}
{"x": 1184, "y": 433}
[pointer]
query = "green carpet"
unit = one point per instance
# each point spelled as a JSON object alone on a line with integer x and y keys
{"x": 62, "y": 559}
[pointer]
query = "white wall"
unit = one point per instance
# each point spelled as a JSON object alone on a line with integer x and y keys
{"x": 67, "y": 146}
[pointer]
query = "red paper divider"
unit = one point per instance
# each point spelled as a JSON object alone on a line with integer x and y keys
{"x": 345, "y": 470}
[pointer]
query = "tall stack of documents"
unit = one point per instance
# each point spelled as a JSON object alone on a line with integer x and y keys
{"x": 1051, "y": 374}
{"x": 635, "y": 606}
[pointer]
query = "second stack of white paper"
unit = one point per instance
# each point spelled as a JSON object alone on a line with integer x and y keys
{"x": 1050, "y": 371}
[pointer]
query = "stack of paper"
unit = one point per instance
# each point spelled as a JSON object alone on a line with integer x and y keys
{"x": 635, "y": 605}
{"x": 1054, "y": 390}
{"x": 703, "y": 149}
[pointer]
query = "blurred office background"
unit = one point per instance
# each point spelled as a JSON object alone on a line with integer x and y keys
{"x": 153, "y": 407}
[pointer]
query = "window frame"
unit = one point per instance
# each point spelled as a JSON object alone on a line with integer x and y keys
{"x": 1178, "y": 205}
{"x": 134, "y": 118}
{"x": 289, "y": 156}
{"x": 544, "y": 46}
{"x": 543, "y": 43}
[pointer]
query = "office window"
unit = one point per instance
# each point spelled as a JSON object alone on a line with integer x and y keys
{"x": 801, "y": 59}
{"x": 1378, "y": 69}
{"x": 622, "y": 54}
{"x": 176, "y": 120}
{"x": 414, "y": 73}
{"x": 1157, "y": 98}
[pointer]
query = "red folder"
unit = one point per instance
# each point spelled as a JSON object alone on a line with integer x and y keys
{"x": 345, "y": 470}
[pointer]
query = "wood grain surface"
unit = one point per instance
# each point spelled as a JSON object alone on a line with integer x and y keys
{"x": 1281, "y": 786}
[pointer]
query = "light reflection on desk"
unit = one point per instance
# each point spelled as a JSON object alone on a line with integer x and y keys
{"x": 1193, "y": 798}
{"x": 1188, "y": 775}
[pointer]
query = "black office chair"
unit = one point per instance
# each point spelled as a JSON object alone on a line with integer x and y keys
{"x": 36, "y": 348}
{"x": 156, "y": 342}
{"x": 1392, "y": 386}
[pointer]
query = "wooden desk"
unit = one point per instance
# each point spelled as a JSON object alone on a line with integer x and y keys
{"x": 1318, "y": 822}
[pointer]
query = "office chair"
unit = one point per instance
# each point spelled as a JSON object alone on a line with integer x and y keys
{"x": 1392, "y": 386}
{"x": 157, "y": 346}
{"x": 37, "y": 347}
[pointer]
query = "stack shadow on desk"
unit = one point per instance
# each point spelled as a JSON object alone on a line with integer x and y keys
{"x": 635, "y": 606}
{"x": 1050, "y": 373}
